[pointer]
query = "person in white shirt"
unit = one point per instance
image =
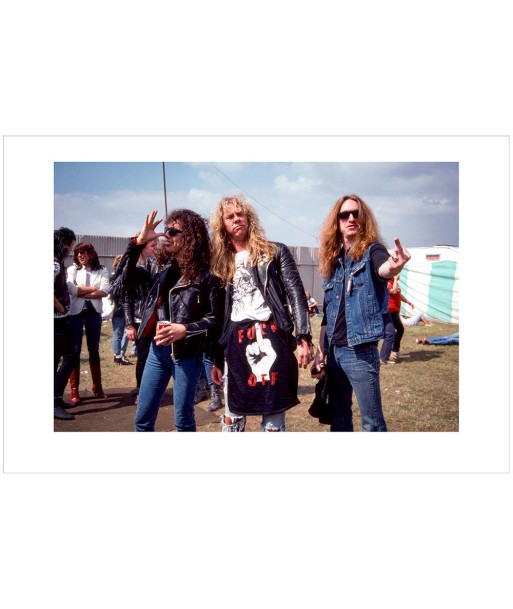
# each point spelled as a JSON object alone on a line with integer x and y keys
{"x": 89, "y": 283}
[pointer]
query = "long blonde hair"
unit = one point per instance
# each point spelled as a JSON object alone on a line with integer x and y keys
{"x": 331, "y": 237}
{"x": 223, "y": 259}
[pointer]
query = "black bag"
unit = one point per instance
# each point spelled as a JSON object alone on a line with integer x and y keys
{"x": 320, "y": 408}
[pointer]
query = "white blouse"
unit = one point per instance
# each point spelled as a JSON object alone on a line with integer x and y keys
{"x": 76, "y": 277}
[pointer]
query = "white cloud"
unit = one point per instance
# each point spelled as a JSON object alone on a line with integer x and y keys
{"x": 417, "y": 201}
{"x": 300, "y": 184}
{"x": 213, "y": 179}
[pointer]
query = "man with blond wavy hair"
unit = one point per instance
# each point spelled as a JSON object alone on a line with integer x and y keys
{"x": 265, "y": 302}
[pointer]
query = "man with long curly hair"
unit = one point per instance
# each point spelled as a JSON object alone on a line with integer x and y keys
{"x": 355, "y": 265}
{"x": 187, "y": 296}
{"x": 265, "y": 299}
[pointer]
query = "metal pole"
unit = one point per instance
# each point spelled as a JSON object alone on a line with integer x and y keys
{"x": 165, "y": 193}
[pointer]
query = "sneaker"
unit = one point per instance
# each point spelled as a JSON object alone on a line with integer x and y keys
{"x": 121, "y": 360}
{"x": 420, "y": 341}
{"x": 215, "y": 399}
{"x": 388, "y": 362}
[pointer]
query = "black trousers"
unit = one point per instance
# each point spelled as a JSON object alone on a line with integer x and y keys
{"x": 398, "y": 325}
{"x": 63, "y": 349}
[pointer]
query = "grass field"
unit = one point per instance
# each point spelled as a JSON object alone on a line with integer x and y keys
{"x": 420, "y": 393}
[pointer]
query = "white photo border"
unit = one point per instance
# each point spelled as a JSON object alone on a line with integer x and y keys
{"x": 482, "y": 444}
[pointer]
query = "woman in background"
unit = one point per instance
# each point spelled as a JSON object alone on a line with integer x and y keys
{"x": 394, "y": 308}
{"x": 89, "y": 283}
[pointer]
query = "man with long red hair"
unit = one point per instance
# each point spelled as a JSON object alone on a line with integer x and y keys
{"x": 355, "y": 265}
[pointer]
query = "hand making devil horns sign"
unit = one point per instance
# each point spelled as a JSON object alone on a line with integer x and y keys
{"x": 148, "y": 230}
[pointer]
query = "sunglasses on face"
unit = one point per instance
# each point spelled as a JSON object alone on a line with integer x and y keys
{"x": 172, "y": 231}
{"x": 344, "y": 215}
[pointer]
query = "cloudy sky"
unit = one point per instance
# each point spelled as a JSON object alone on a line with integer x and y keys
{"x": 416, "y": 201}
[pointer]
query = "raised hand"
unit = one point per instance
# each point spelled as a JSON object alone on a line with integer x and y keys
{"x": 148, "y": 230}
{"x": 400, "y": 257}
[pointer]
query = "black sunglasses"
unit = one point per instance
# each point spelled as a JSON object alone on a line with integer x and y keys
{"x": 344, "y": 215}
{"x": 172, "y": 231}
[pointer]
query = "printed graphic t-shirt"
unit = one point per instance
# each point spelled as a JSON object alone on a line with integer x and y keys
{"x": 248, "y": 301}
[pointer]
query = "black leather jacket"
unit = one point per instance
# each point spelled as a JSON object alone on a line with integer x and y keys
{"x": 135, "y": 296}
{"x": 197, "y": 304}
{"x": 281, "y": 286}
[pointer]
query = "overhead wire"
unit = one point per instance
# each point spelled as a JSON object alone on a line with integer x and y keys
{"x": 261, "y": 204}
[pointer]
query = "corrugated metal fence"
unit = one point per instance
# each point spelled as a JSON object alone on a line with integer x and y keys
{"x": 306, "y": 258}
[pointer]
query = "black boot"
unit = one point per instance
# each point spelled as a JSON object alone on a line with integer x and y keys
{"x": 58, "y": 410}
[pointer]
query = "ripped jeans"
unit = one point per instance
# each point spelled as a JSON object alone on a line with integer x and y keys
{"x": 270, "y": 422}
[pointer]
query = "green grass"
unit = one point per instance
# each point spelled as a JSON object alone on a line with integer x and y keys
{"x": 420, "y": 393}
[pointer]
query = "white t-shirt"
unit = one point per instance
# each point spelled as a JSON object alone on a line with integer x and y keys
{"x": 248, "y": 302}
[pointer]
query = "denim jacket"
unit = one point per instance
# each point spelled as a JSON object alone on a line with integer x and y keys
{"x": 366, "y": 300}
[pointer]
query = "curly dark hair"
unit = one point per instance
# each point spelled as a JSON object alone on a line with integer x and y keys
{"x": 162, "y": 256}
{"x": 62, "y": 238}
{"x": 194, "y": 257}
{"x": 89, "y": 249}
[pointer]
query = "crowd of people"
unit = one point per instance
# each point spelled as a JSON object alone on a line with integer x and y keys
{"x": 221, "y": 309}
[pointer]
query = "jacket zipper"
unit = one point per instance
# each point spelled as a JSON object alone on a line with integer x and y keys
{"x": 171, "y": 312}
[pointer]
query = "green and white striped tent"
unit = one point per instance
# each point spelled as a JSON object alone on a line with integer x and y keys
{"x": 431, "y": 281}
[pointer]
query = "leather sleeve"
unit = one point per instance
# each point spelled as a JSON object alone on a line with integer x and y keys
{"x": 295, "y": 292}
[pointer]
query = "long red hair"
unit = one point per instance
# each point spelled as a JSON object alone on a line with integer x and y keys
{"x": 331, "y": 237}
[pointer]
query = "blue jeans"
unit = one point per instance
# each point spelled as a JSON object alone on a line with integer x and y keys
{"x": 207, "y": 367}
{"x": 448, "y": 339}
{"x": 355, "y": 369}
{"x": 119, "y": 337}
{"x": 159, "y": 368}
